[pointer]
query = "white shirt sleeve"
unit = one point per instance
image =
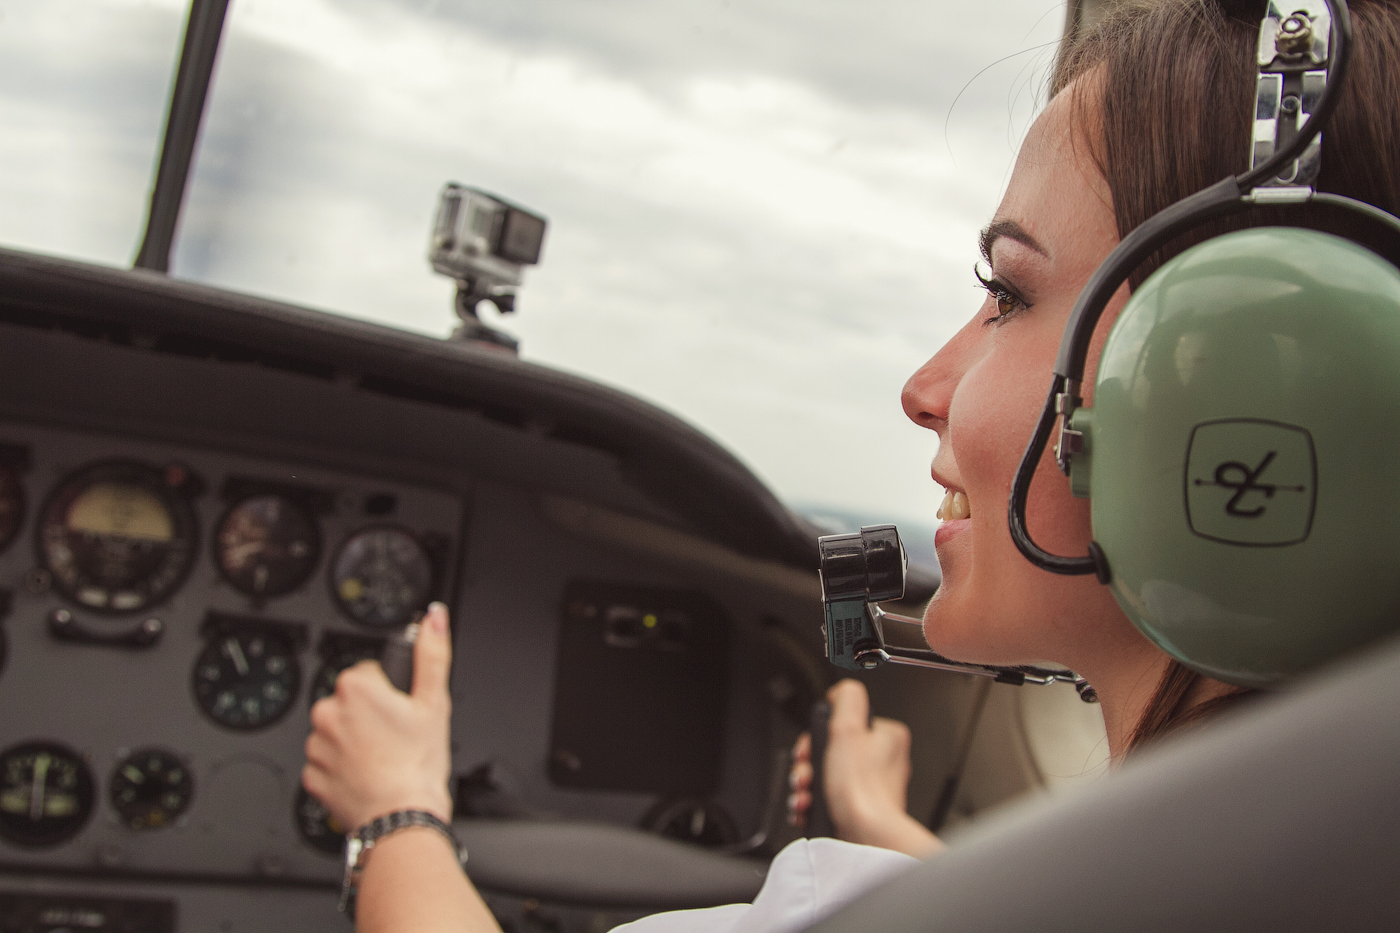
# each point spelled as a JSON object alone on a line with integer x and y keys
{"x": 808, "y": 881}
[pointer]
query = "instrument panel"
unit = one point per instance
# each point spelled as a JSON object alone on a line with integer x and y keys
{"x": 170, "y": 616}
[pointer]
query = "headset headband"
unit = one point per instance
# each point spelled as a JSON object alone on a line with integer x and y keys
{"x": 1302, "y": 61}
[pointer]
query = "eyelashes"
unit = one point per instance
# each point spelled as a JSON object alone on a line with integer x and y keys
{"x": 1007, "y": 301}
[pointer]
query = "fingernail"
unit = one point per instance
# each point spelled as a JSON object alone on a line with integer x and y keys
{"x": 437, "y": 617}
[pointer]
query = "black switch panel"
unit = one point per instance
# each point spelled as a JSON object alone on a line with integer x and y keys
{"x": 61, "y": 913}
{"x": 639, "y": 689}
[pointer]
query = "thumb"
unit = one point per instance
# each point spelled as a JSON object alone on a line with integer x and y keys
{"x": 432, "y": 654}
{"x": 850, "y": 706}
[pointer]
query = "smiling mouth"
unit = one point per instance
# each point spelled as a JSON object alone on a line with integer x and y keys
{"x": 954, "y": 506}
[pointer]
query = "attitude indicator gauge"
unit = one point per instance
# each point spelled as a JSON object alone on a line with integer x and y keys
{"x": 150, "y": 789}
{"x": 118, "y": 537}
{"x": 267, "y": 545}
{"x": 246, "y": 679}
{"x": 381, "y": 576}
{"x": 46, "y": 794}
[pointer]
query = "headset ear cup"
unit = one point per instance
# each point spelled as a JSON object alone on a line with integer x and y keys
{"x": 1241, "y": 453}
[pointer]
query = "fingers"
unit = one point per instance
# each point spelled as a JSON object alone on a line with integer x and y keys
{"x": 364, "y": 677}
{"x": 313, "y": 779}
{"x": 323, "y": 714}
{"x": 800, "y": 781}
{"x": 892, "y": 732}
{"x": 850, "y": 707}
{"x": 802, "y": 748}
{"x": 319, "y": 751}
{"x": 799, "y": 803}
{"x": 432, "y": 655}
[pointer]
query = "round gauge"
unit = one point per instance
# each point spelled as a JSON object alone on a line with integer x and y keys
{"x": 381, "y": 576}
{"x": 267, "y": 545}
{"x": 11, "y": 505}
{"x": 149, "y": 789}
{"x": 117, "y": 537}
{"x": 316, "y": 825}
{"x": 324, "y": 683}
{"x": 46, "y": 794}
{"x": 246, "y": 679}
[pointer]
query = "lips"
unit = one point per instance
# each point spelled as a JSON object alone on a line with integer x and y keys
{"x": 954, "y": 506}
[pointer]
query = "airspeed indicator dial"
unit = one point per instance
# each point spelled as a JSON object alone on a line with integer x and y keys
{"x": 119, "y": 536}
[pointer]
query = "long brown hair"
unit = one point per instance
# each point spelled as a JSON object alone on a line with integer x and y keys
{"x": 1169, "y": 113}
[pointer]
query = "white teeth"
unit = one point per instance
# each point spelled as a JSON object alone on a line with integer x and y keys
{"x": 955, "y": 506}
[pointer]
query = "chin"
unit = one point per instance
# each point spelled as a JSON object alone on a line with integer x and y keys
{"x": 977, "y": 625}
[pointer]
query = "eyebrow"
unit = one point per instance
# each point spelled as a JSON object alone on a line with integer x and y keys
{"x": 1012, "y": 231}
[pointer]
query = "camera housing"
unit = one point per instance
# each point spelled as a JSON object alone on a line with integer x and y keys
{"x": 484, "y": 243}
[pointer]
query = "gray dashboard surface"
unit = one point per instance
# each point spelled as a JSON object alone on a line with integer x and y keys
{"x": 644, "y": 871}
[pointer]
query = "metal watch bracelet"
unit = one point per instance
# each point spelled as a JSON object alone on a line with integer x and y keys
{"x": 358, "y": 844}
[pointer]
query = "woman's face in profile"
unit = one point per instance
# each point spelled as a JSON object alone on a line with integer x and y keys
{"x": 983, "y": 392}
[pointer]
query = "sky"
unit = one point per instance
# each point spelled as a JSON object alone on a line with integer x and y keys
{"x": 763, "y": 213}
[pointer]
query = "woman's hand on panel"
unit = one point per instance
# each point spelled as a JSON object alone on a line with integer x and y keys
{"x": 866, "y": 776}
{"x": 374, "y": 749}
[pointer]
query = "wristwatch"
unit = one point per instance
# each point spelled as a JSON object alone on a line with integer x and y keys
{"x": 358, "y": 844}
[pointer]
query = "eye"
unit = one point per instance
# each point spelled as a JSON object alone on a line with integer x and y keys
{"x": 1008, "y": 302}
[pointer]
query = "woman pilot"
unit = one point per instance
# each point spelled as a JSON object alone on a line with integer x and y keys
{"x": 1150, "y": 106}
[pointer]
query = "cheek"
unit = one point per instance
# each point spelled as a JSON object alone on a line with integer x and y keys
{"x": 990, "y": 420}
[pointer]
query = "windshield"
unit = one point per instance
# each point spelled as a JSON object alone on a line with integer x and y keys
{"x": 762, "y": 212}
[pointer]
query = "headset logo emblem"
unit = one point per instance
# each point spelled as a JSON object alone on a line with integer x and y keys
{"x": 1248, "y": 481}
{"x": 1268, "y": 504}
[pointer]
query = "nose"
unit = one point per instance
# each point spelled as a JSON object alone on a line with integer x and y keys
{"x": 928, "y": 394}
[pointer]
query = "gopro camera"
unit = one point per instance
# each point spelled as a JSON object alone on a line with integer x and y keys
{"x": 484, "y": 243}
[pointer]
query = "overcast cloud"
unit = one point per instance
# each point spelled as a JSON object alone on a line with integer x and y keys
{"x": 763, "y": 212}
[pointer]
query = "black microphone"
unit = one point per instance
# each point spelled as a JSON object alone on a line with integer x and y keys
{"x": 860, "y": 570}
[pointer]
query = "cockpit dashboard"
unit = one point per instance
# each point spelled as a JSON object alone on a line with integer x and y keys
{"x": 210, "y": 504}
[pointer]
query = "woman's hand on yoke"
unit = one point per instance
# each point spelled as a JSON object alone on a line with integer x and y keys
{"x": 374, "y": 749}
{"x": 867, "y": 773}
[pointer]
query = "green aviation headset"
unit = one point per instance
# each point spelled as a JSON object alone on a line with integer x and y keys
{"x": 1242, "y": 455}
